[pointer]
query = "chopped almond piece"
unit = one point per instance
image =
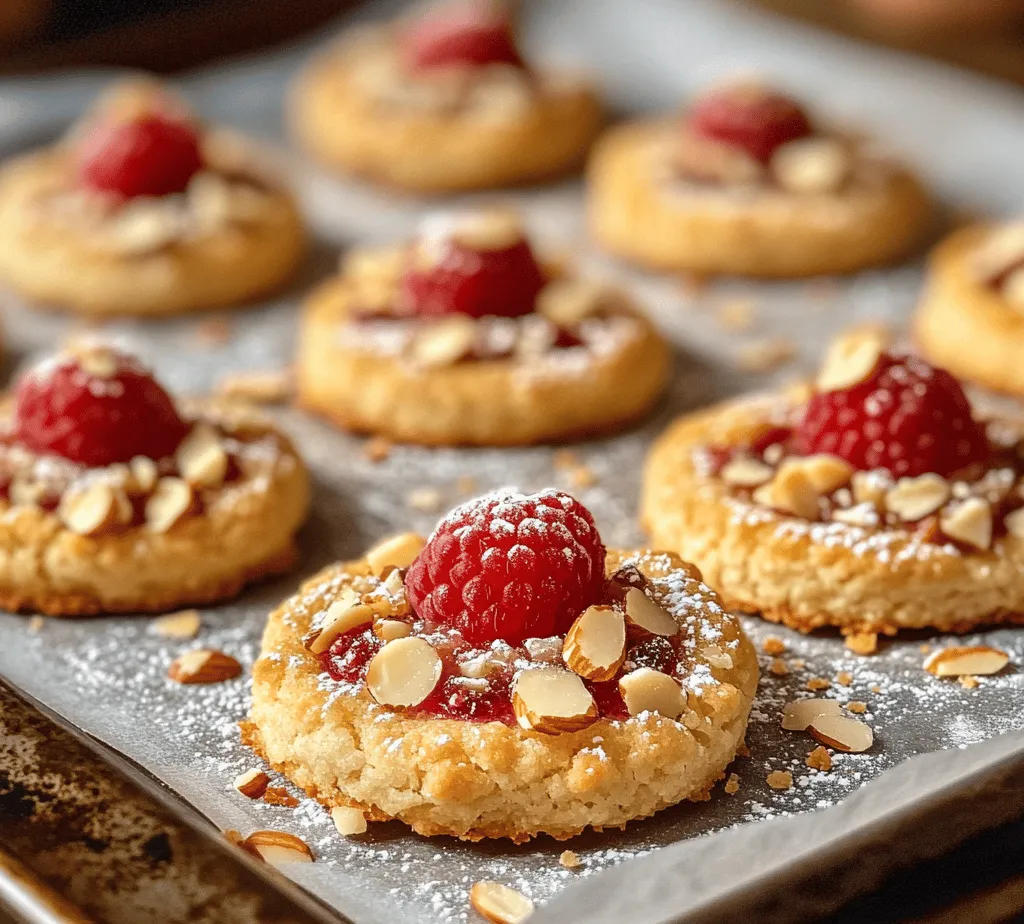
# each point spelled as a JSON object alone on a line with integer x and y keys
{"x": 278, "y": 795}
{"x": 745, "y": 472}
{"x": 404, "y": 672}
{"x": 648, "y": 690}
{"x": 348, "y": 821}
{"x": 842, "y": 733}
{"x": 389, "y": 629}
{"x": 913, "y": 499}
{"x": 201, "y": 458}
{"x": 969, "y": 522}
{"x": 825, "y": 473}
{"x": 342, "y": 616}
{"x": 552, "y": 700}
{"x": 171, "y": 500}
{"x": 862, "y": 643}
{"x": 252, "y": 784}
{"x": 780, "y": 779}
{"x": 850, "y": 359}
{"x": 444, "y": 343}
{"x": 398, "y": 551}
{"x": 819, "y": 759}
{"x": 956, "y": 661}
{"x": 811, "y": 166}
{"x": 798, "y": 715}
{"x": 790, "y": 491}
{"x": 498, "y": 903}
{"x": 569, "y": 302}
{"x": 278, "y": 847}
{"x": 89, "y": 511}
{"x": 595, "y": 645}
{"x": 183, "y": 625}
{"x": 204, "y": 665}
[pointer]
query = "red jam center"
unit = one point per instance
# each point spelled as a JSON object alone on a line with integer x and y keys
{"x": 473, "y": 34}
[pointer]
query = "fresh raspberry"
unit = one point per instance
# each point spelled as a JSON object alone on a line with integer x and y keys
{"x": 509, "y": 566}
{"x": 472, "y": 34}
{"x": 907, "y": 417}
{"x": 153, "y": 155}
{"x": 748, "y": 117}
{"x": 461, "y": 280}
{"x": 96, "y": 409}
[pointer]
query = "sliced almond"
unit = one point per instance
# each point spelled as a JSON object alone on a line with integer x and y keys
{"x": 143, "y": 475}
{"x": 278, "y": 847}
{"x": 488, "y": 229}
{"x": 270, "y": 386}
{"x": 170, "y": 501}
{"x": 183, "y": 625}
{"x": 642, "y": 611}
{"x": 252, "y": 784}
{"x": 552, "y": 700}
{"x": 348, "y": 820}
{"x": 790, "y": 491}
{"x": 595, "y": 645}
{"x": 811, "y": 166}
{"x": 969, "y": 522}
{"x": 848, "y": 361}
{"x": 798, "y": 716}
{"x": 745, "y": 472}
{"x": 397, "y": 551}
{"x": 1014, "y": 522}
{"x": 89, "y": 511}
{"x": 403, "y": 673}
{"x": 444, "y": 343}
{"x": 956, "y": 661}
{"x": 204, "y": 665}
{"x": 716, "y": 657}
{"x": 842, "y": 733}
{"x": 825, "y": 473}
{"x": 870, "y": 487}
{"x": 648, "y": 690}
{"x": 96, "y": 360}
{"x": 913, "y": 499}
{"x": 498, "y": 903}
{"x": 859, "y": 515}
{"x": 569, "y": 302}
{"x": 389, "y": 629}
{"x": 342, "y": 616}
{"x": 201, "y": 458}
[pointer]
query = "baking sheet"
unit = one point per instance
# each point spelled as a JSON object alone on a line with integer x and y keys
{"x": 108, "y": 675}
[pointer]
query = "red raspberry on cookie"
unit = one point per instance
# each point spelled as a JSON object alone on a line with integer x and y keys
{"x": 749, "y": 117}
{"x": 469, "y": 34}
{"x": 509, "y": 566}
{"x": 477, "y": 265}
{"x": 151, "y": 155}
{"x": 906, "y": 417}
{"x": 96, "y": 408}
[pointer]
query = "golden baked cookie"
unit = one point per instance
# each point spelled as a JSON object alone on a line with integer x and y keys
{"x": 409, "y": 105}
{"x": 875, "y": 503}
{"x": 366, "y": 695}
{"x": 672, "y": 197}
{"x": 971, "y": 315}
{"x": 117, "y": 500}
{"x": 141, "y": 211}
{"x": 463, "y": 338}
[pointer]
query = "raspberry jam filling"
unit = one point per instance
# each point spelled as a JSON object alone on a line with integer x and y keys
{"x": 508, "y": 586}
{"x": 894, "y": 443}
{"x": 468, "y": 34}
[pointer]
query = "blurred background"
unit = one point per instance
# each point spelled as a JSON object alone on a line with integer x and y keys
{"x": 170, "y": 35}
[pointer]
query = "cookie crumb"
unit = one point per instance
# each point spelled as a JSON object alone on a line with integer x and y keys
{"x": 778, "y": 667}
{"x": 426, "y": 500}
{"x": 692, "y": 284}
{"x": 213, "y": 333}
{"x": 377, "y": 449}
{"x": 278, "y": 795}
{"x": 844, "y": 678}
{"x": 862, "y": 643}
{"x": 732, "y": 785}
{"x": 969, "y": 682}
{"x": 736, "y": 315}
{"x": 773, "y": 645}
{"x": 779, "y": 779}
{"x": 797, "y": 664}
{"x": 815, "y": 684}
{"x": 855, "y": 705}
{"x": 466, "y": 485}
{"x": 875, "y": 688}
{"x": 565, "y": 460}
{"x": 36, "y": 623}
{"x": 582, "y": 477}
{"x": 819, "y": 759}
{"x": 765, "y": 355}
{"x": 924, "y": 649}
{"x": 569, "y": 860}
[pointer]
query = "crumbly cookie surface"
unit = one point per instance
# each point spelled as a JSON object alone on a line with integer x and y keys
{"x": 639, "y": 210}
{"x": 810, "y": 574}
{"x": 477, "y": 780}
{"x": 234, "y": 533}
{"x": 354, "y": 110}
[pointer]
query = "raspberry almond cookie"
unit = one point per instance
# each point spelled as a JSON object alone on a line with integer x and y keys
{"x": 443, "y": 101}
{"x": 116, "y": 498}
{"x": 142, "y": 210}
{"x": 746, "y": 183}
{"x": 877, "y": 501}
{"x": 971, "y": 316}
{"x": 465, "y": 337}
{"x": 507, "y": 677}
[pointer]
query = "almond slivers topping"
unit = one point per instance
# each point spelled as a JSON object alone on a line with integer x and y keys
{"x": 278, "y": 847}
{"x": 342, "y": 616}
{"x": 397, "y": 551}
{"x": 171, "y": 500}
{"x": 552, "y": 700}
{"x": 642, "y": 611}
{"x": 957, "y": 661}
{"x": 204, "y": 665}
{"x": 444, "y": 343}
{"x": 595, "y": 645}
{"x": 746, "y": 472}
{"x": 403, "y": 673}
{"x": 915, "y": 498}
{"x": 569, "y": 302}
{"x": 849, "y": 361}
{"x": 811, "y": 165}
{"x": 348, "y": 821}
{"x": 89, "y": 511}
{"x": 252, "y": 784}
{"x": 185, "y": 624}
{"x": 798, "y": 716}
{"x": 648, "y": 690}
{"x": 969, "y": 522}
{"x": 498, "y": 903}
{"x": 201, "y": 458}
{"x": 842, "y": 733}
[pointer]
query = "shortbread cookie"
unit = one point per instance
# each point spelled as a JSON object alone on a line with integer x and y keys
{"x": 116, "y": 499}
{"x": 876, "y": 503}
{"x": 463, "y": 337}
{"x": 143, "y": 211}
{"x": 746, "y": 184}
{"x": 971, "y": 316}
{"x": 442, "y": 102}
{"x": 516, "y": 680}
